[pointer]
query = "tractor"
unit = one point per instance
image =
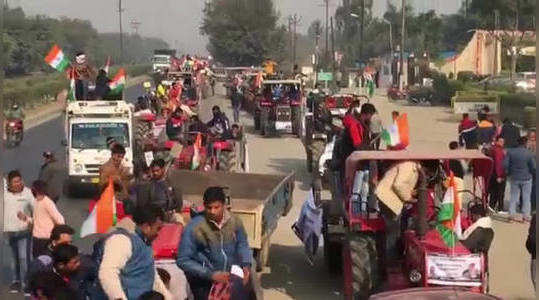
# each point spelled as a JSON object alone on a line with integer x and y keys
{"x": 372, "y": 249}
{"x": 279, "y": 107}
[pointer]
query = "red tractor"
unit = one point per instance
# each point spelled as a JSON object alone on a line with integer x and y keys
{"x": 279, "y": 107}
{"x": 228, "y": 155}
{"x": 358, "y": 239}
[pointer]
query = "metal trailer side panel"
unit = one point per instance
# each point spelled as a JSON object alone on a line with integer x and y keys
{"x": 259, "y": 200}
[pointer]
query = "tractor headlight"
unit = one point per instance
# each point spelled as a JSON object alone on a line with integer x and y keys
{"x": 415, "y": 276}
{"x": 78, "y": 168}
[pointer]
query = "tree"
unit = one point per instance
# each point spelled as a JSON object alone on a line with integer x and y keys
{"x": 243, "y": 32}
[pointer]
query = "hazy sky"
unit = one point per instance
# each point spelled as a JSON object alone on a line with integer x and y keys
{"x": 177, "y": 21}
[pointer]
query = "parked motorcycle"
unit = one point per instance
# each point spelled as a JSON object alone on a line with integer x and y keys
{"x": 14, "y": 132}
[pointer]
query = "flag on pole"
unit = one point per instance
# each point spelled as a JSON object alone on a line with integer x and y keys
{"x": 71, "y": 92}
{"x": 103, "y": 215}
{"x": 117, "y": 84}
{"x": 195, "y": 163}
{"x": 107, "y": 65}
{"x": 57, "y": 59}
{"x": 449, "y": 215}
{"x": 397, "y": 133}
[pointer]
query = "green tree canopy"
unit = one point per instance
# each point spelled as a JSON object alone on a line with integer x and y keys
{"x": 243, "y": 32}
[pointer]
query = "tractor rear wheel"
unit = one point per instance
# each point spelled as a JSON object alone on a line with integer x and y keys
{"x": 228, "y": 161}
{"x": 364, "y": 265}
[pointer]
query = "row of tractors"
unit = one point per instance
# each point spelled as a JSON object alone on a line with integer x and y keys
{"x": 359, "y": 244}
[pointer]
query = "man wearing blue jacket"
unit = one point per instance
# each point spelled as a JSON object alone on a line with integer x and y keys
{"x": 211, "y": 245}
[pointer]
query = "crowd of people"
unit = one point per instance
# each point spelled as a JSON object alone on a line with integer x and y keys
{"x": 514, "y": 161}
{"x": 213, "y": 251}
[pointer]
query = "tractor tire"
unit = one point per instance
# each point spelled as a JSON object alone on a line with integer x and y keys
{"x": 228, "y": 161}
{"x": 316, "y": 147}
{"x": 332, "y": 249}
{"x": 364, "y": 265}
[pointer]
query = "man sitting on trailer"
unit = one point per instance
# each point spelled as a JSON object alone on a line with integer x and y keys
{"x": 214, "y": 250}
{"x": 478, "y": 237}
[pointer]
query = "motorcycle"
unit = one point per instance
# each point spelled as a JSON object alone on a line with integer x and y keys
{"x": 14, "y": 132}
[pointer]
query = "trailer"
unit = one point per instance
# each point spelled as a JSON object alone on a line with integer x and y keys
{"x": 259, "y": 200}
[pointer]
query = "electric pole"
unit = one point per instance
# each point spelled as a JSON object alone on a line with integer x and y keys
{"x": 401, "y": 68}
{"x": 327, "y": 27}
{"x": 332, "y": 44}
{"x": 293, "y": 23}
{"x": 361, "y": 29}
{"x": 120, "y": 10}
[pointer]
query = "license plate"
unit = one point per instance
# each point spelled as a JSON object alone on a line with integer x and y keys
{"x": 95, "y": 180}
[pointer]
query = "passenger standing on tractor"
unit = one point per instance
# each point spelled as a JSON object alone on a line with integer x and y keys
{"x": 101, "y": 85}
{"x": 82, "y": 73}
{"x": 211, "y": 244}
{"x": 357, "y": 136}
{"x": 159, "y": 192}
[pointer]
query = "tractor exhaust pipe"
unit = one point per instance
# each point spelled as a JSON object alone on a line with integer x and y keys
{"x": 422, "y": 205}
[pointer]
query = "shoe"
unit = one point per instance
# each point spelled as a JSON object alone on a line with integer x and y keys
{"x": 503, "y": 212}
{"x": 15, "y": 287}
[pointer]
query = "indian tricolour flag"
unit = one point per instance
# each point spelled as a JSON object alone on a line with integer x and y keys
{"x": 71, "y": 93}
{"x": 103, "y": 215}
{"x": 397, "y": 133}
{"x": 195, "y": 163}
{"x": 117, "y": 84}
{"x": 57, "y": 59}
{"x": 449, "y": 215}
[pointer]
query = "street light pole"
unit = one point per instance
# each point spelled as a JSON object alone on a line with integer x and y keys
{"x": 390, "y": 35}
{"x": 401, "y": 68}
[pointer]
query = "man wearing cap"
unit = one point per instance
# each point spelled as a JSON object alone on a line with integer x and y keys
{"x": 52, "y": 173}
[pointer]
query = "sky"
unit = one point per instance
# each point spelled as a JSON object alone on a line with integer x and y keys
{"x": 178, "y": 21}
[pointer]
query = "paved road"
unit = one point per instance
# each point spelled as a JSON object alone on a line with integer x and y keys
{"x": 289, "y": 276}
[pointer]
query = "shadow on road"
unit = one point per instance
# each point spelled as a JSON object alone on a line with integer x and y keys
{"x": 297, "y": 165}
{"x": 291, "y": 274}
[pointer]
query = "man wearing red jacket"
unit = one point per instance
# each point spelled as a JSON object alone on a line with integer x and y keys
{"x": 498, "y": 178}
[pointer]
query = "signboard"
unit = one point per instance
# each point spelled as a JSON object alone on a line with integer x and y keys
{"x": 461, "y": 270}
{"x": 325, "y": 76}
{"x": 474, "y": 107}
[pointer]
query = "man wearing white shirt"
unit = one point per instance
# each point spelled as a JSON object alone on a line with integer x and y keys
{"x": 18, "y": 203}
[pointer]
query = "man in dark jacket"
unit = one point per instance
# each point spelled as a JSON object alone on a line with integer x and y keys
{"x": 174, "y": 125}
{"x": 219, "y": 122}
{"x": 510, "y": 133}
{"x": 101, "y": 85}
{"x": 212, "y": 245}
{"x": 52, "y": 173}
{"x": 158, "y": 191}
{"x": 519, "y": 164}
{"x": 236, "y": 98}
{"x": 485, "y": 130}
{"x": 468, "y": 132}
{"x": 530, "y": 245}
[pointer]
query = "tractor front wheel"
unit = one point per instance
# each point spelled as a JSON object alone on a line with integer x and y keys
{"x": 364, "y": 265}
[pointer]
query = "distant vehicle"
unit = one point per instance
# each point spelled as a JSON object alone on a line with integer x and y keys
{"x": 525, "y": 81}
{"x": 162, "y": 59}
{"x": 88, "y": 126}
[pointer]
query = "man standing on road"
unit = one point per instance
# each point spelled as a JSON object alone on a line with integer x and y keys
{"x": 18, "y": 203}
{"x": 126, "y": 263}
{"x": 497, "y": 181}
{"x": 115, "y": 170}
{"x": 519, "y": 164}
{"x": 52, "y": 174}
{"x": 236, "y": 98}
{"x": 510, "y": 133}
{"x": 212, "y": 245}
{"x": 467, "y": 132}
